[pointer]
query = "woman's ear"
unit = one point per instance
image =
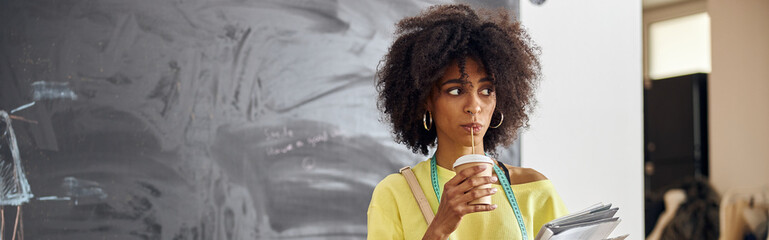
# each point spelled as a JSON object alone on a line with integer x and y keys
{"x": 429, "y": 100}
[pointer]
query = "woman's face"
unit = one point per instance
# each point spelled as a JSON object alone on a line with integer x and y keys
{"x": 454, "y": 102}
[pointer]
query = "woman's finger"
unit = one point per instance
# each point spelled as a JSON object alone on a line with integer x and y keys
{"x": 464, "y": 174}
{"x": 474, "y": 194}
{"x": 480, "y": 208}
{"x": 473, "y": 182}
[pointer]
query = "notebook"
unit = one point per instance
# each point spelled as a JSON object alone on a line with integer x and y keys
{"x": 594, "y": 222}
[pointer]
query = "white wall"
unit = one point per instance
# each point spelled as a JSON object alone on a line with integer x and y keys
{"x": 587, "y": 132}
{"x": 738, "y": 91}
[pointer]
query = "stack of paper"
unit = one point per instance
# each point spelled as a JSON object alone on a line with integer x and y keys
{"x": 595, "y": 222}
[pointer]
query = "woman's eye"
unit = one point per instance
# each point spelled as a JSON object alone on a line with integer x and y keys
{"x": 454, "y": 91}
{"x": 486, "y": 92}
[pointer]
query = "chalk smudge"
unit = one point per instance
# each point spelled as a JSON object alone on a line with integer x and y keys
{"x": 54, "y": 198}
{"x": 42, "y": 90}
{"x": 321, "y": 166}
{"x": 22, "y": 107}
{"x": 83, "y": 190}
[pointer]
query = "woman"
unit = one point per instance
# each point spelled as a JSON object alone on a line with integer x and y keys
{"x": 449, "y": 74}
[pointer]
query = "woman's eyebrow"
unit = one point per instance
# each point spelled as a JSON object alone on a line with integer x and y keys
{"x": 456, "y": 80}
{"x": 459, "y": 81}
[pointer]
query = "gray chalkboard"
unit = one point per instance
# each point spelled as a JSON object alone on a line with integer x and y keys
{"x": 202, "y": 119}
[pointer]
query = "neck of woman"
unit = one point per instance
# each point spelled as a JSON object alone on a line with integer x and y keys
{"x": 446, "y": 154}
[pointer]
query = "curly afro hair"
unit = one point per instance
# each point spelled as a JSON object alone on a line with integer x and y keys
{"x": 427, "y": 43}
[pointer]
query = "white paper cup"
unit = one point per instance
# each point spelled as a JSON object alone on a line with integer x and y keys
{"x": 471, "y": 160}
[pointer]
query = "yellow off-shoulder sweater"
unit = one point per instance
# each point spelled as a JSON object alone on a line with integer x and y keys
{"x": 394, "y": 214}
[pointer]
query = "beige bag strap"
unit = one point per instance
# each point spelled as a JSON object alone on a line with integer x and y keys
{"x": 418, "y": 194}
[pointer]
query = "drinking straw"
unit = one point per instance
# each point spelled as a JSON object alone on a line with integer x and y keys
{"x": 472, "y": 137}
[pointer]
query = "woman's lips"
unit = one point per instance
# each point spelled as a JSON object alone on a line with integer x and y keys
{"x": 476, "y": 128}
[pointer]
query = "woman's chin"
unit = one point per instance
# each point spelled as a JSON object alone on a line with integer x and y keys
{"x": 467, "y": 143}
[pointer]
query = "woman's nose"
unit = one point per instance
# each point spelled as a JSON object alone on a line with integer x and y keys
{"x": 473, "y": 107}
{"x": 473, "y": 111}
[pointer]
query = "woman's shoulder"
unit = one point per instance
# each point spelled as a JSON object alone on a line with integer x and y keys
{"x": 397, "y": 180}
{"x": 387, "y": 189}
{"x": 393, "y": 180}
{"x": 521, "y": 175}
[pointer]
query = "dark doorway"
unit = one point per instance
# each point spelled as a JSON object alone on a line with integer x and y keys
{"x": 675, "y": 137}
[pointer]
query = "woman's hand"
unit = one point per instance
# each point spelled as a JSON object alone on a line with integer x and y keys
{"x": 457, "y": 193}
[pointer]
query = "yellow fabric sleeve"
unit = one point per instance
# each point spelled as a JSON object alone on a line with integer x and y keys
{"x": 383, "y": 216}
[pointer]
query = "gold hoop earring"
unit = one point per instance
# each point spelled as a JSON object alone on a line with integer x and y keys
{"x": 501, "y": 119}
{"x": 424, "y": 120}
